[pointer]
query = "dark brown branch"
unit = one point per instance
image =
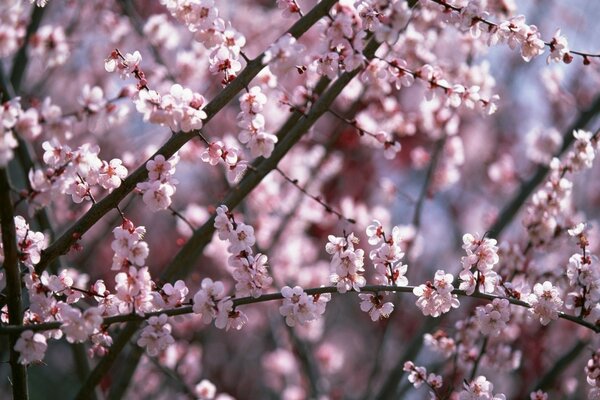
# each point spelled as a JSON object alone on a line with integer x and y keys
{"x": 13, "y": 284}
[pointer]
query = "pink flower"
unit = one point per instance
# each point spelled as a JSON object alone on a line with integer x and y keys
{"x": 545, "y": 302}
{"x": 156, "y": 336}
{"x": 111, "y": 174}
{"x": 206, "y": 299}
{"x": 31, "y": 346}
{"x": 374, "y": 305}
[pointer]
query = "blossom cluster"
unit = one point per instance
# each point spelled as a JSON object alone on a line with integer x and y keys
{"x": 478, "y": 264}
{"x": 548, "y": 212}
{"x": 160, "y": 186}
{"x": 211, "y": 303}
{"x": 249, "y": 270}
{"x": 436, "y": 298}
{"x": 387, "y": 257}
{"x": 584, "y": 280}
{"x": 156, "y": 335}
{"x": 418, "y": 376}
{"x": 592, "y": 371}
{"x": 224, "y": 42}
{"x": 347, "y": 264}
{"x": 180, "y": 110}
{"x": 252, "y": 122}
{"x": 492, "y": 318}
{"x": 218, "y": 152}
{"x": 73, "y": 172}
{"x": 129, "y": 246}
{"x": 301, "y": 308}
{"x": 515, "y": 32}
{"x": 30, "y": 243}
{"x": 479, "y": 388}
{"x": 545, "y": 302}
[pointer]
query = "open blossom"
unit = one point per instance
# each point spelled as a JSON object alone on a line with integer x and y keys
{"x": 31, "y": 347}
{"x": 479, "y": 389}
{"x": 126, "y": 65}
{"x": 228, "y": 317}
{"x": 171, "y": 296}
{"x": 374, "y": 305}
{"x": 206, "y": 299}
{"x": 545, "y": 302}
{"x": 252, "y": 102}
{"x": 559, "y": 49}
{"x": 418, "y": 376}
{"x": 205, "y": 390}
{"x": 133, "y": 289}
{"x": 157, "y": 195}
{"x": 111, "y": 174}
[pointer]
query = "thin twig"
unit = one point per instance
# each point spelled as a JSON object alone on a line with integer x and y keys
{"x": 318, "y": 199}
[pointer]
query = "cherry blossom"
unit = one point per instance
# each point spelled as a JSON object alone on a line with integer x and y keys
{"x": 31, "y": 347}
{"x": 545, "y": 302}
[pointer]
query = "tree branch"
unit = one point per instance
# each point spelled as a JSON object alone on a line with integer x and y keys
{"x": 13, "y": 284}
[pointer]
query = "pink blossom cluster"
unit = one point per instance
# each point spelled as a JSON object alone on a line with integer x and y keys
{"x": 478, "y": 264}
{"x": 592, "y": 371}
{"x": 211, "y": 303}
{"x": 418, "y": 376}
{"x": 546, "y": 302}
{"x": 493, "y": 317}
{"x": 584, "y": 280}
{"x": 436, "y": 298}
{"x": 8, "y": 117}
{"x": 129, "y": 246}
{"x": 218, "y": 152}
{"x": 549, "y": 210}
{"x": 374, "y": 305}
{"x": 30, "y": 243}
{"x": 181, "y": 109}
{"x": 50, "y": 45}
{"x": 12, "y": 30}
{"x": 160, "y": 186}
{"x": 156, "y": 335}
{"x": 249, "y": 270}
{"x": 252, "y": 122}
{"x": 224, "y": 42}
{"x": 479, "y": 388}
{"x": 299, "y": 308}
{"x": 77, "y": 173}
{"x": 347, "y": 264}
{"x": 515, "y": 32}
{"x": 387, "y": 257}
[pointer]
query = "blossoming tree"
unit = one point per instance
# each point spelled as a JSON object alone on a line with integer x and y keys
{"x": 298, "y": 199}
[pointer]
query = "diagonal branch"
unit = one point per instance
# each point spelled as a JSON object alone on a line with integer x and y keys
{"x": 511, "y": 209}
{"x": 77, "y": 230}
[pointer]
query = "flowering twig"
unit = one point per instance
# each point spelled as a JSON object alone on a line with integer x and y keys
{"x": 492, "y": 25}
{"x": 510, "y": 210}
{"x": 62, "y": 244}
{"x": 187, "y": 308}
{"x": 318, "y": 199}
